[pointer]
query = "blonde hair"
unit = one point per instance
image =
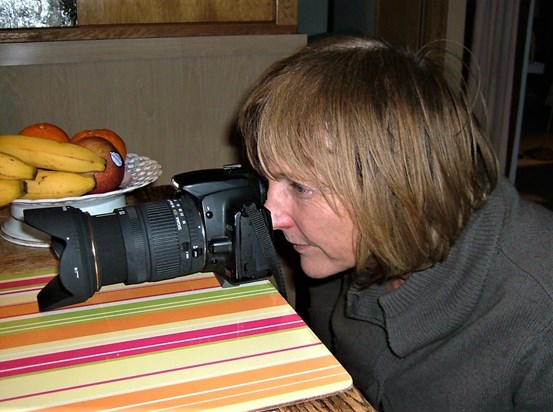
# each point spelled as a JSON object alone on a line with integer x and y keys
{"x": 379, "y": 127}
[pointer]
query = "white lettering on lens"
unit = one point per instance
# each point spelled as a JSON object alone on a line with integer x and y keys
{"x": 76, "y": 271}
{"x": 176, "y": 213}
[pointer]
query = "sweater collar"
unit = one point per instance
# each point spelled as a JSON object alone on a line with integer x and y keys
{"x": 433, "y": 303}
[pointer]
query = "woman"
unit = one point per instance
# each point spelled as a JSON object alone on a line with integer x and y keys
{"x": 433, "y": 280}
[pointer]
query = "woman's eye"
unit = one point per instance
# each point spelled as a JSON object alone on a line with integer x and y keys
{"x": 300, "y": 188}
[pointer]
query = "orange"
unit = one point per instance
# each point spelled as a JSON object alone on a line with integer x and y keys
{"x": 46, "y": 131}
{"x": 107, "y": 134}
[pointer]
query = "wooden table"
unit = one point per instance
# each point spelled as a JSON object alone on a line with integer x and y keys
{"x": 17, "y": 259}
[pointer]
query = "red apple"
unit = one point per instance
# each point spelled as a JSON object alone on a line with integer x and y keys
{"x": 111, "y": 178}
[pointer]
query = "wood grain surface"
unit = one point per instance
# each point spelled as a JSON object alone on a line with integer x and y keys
{"x": 131, "y": 19}
{"x": 173, "y": 11}
{"x": 142, "y": 31}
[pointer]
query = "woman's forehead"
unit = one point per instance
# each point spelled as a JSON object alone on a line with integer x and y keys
{"x": 282, "y": 169}
{"x": 278, "y": 168}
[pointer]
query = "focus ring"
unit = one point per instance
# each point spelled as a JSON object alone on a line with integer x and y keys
{"x": 164, "y": 241}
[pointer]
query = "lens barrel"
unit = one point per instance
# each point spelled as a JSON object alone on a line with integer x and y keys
{"x": 163, "y": 239}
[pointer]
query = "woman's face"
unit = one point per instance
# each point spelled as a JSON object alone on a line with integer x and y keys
{"x": 324, "y": 238}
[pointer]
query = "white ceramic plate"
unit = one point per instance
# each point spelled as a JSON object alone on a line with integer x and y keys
{"x": 139, "y": 172}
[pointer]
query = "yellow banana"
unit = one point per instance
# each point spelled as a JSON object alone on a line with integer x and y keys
{"x": 50, "y": 154}
{"x": 10, "y": 190}
{"x": 50, "y": 184}
{"x": 14, "y": 169}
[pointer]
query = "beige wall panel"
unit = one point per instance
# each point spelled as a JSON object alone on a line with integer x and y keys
{"x": 175, "y": 104}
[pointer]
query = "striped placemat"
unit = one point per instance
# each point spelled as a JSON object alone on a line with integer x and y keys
{"x": 182, "y": 344}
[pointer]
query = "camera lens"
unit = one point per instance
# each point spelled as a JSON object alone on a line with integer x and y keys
{"x": 161, "y": 240}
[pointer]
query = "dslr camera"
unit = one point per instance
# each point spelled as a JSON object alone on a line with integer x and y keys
{"x": 216, "y": 223}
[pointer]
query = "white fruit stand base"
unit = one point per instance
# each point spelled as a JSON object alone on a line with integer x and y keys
{"x": 15, "y": 230}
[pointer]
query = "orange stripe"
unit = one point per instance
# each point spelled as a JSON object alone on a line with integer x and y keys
{"x": 139, "y": 320}
{"x": 265, "y": 380}
{"x": 125, "y": 293}
{"x": 19, "y": 309}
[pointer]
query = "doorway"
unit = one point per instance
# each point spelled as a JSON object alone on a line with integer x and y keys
{"x": 534, "y": 170}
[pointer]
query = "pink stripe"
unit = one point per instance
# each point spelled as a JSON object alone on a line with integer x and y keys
{"x": 141, "y": 346}
{"x": 160, "y": 372}
{"x": 20, "y": 283}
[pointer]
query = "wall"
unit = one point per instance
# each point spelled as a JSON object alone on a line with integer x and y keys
{"x": 172, "y": 99}
{"x": 356, "y": 16}
{"x": 312, "y": 16}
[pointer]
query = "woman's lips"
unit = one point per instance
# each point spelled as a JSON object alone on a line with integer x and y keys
{"x": 299, "y": 248}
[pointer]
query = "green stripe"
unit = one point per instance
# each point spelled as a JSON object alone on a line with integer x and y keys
{"x": 34, "y": 273}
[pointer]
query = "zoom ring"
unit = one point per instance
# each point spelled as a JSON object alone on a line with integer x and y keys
{"x": 164, "y": 242}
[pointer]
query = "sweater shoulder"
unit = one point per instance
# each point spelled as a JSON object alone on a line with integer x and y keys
{"x": 527, "y": 238}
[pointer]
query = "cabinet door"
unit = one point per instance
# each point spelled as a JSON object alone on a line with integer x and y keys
{"x": 185, "y": 11}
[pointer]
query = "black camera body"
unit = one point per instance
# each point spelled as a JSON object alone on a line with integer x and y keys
{"x": 216, "y": 223}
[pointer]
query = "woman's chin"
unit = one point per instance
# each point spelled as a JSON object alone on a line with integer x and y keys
{"x": 319, "y": 271}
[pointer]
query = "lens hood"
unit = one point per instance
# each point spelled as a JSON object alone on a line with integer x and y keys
{"x": 72, "y": 244}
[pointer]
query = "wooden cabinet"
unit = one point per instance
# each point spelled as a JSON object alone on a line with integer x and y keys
{"x": 185, "y": 11}
{"x": 120, "y": 19}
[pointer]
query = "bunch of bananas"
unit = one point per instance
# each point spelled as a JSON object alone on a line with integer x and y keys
{"x": 38, "y": 168}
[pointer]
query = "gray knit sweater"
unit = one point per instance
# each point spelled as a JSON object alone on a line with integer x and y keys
{"x": 473, "y": 333}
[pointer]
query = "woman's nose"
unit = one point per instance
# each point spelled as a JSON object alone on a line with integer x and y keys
{"x": 276, "y": 203}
